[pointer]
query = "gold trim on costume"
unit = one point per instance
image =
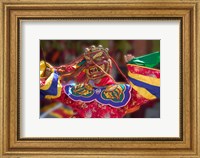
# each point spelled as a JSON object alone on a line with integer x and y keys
{"x": 147, "y": 79}
{"x": 143, "y": 92}
{"x": 59, "y": 88}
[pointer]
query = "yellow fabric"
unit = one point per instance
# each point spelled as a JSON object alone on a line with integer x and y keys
{"x": 147, "y": 79}
{"x": 59, "y": 88}
{"x": 50, "y": 78}
{"x": 48, "y": 82}
{"x": 67, "y": 111}
{"x": 56, "y": 114}
{"x": 43, "y": 68}
{"x": 143, "y": 92}
{"x": 47, "y": 107}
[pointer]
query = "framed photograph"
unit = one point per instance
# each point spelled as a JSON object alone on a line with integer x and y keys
{"x": 99, "y": 79}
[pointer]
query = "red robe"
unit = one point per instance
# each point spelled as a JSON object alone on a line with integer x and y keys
{"x": 139, "y": 94}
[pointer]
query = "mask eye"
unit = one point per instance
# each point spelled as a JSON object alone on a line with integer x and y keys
{"x": 98, "y": 59}
{"x": 97, "y": 55}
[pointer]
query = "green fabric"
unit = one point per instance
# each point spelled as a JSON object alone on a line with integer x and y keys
{"x": 81, "y": 63}
{"x": 149, "y": 60}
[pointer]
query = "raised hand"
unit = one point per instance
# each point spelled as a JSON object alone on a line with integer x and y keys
{"x": 61, "y": 69}
{"x": 128, "y": 57}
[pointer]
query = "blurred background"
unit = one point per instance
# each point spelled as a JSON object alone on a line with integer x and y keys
{"x": 59, "y": 52}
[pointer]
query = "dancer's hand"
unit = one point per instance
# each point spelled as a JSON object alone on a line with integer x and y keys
{"x": 61, "y": 69}
{"x": 128, "y": 57}
{"x": 48, "y": 72}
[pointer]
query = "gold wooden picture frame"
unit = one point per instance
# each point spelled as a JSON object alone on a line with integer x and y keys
{"x": 14, "y": 11}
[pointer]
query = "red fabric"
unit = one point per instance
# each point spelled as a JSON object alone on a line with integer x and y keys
{"x": 61, "y": 113}
{"x": 42, "y": 83}
{"x": 81, "y": 77}
{"x": 144, "y": 71}
{"x": 96, "y": 110}
{"x": 105, "y": 81}
{"x": 69, "y": 69}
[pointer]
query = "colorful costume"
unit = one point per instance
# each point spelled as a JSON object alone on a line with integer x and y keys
{"x": 93, "y": 93}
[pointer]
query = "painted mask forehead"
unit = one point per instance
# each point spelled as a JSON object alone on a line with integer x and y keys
{"x": 92, "y": 50}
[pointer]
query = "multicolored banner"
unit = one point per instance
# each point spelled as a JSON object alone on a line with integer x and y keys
{"x": 51, "y": 87}
{"x": 145, "y": 79}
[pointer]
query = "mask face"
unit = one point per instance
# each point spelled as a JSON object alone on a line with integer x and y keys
{"x": 97, "y": 60}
